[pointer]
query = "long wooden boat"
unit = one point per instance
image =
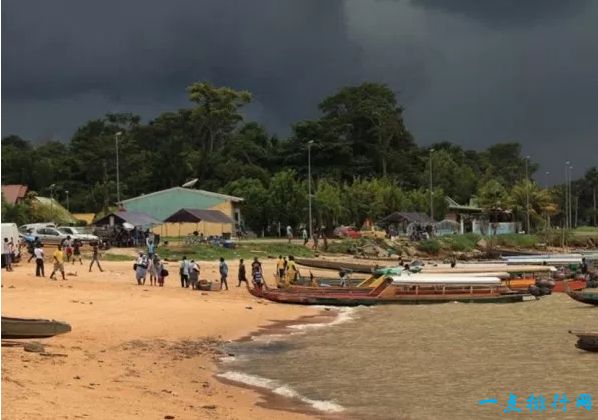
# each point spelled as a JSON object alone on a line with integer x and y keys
{"x": 388, "y": 293}
{"x": 337, "y": 265}
{"x": 575, "y": 284}
{"x": 587, "y": 340}
{"x": 32, "y": 328}
{"x": 589, "y": 296}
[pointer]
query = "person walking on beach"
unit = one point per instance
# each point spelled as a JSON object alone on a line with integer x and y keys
{"x": 67, "y": 245}
{"x": 95, "y": 257}
{"x": 223, "y": 273}
{"x": 58, "y": 263}
{"x": 184, "y": 272}
{"x": 38, "y": 251}
{"x": 292, "y": 272}
{"x": 316, "y": 237}
{"x": 304, "y": 236}
{"x": 77, "y": 251}
{"x": 6, "y": 254}
{"x": 242, "y": 276}
{"x": 162, "y": 272}
{"x": 289, "y": 233}
{"x": 141, "y": 269}
{"x": 256, "y": 268}
{"x": 193, "y": 274}
{"x": 151, "y": 249}
{"x": 280, "y": 268}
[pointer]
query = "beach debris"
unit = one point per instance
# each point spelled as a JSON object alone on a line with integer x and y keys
{"x": 209, "y": 407}
{"x": 167, "y": 391}
{"x": 248, "y": 307}
{"x": 54, "y": 354}
{"x": 11, "y": 287}
{"x": 168, "y": 416}
{"x": 34, "y": 347}
{"x": 76, "y": 377}
{"x": 72, "y": 274}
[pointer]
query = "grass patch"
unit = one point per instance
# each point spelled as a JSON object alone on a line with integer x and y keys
{"x": 117, "y": 257}
{"x": 516, "y": 240}
{"x": 461, "y": 243}
{"x": 244, "y": 250}
{"x": 429, "y": 246}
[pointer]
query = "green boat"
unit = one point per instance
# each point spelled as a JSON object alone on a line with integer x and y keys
{"x": 589, "y": 296}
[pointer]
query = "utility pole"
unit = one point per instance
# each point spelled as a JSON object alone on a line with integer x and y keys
{"x": 567, "y": 194}
{"x": 116, "y": 136}
{"x": 68, "y": 207}
{"x": 52, "y": 201}
{"x": 106, "y": 195}
{"x": 309, "y": 144}
{"x": 431, "y": 188}
{"x": 527, "y": 185}
{"x": 570, "y": 197}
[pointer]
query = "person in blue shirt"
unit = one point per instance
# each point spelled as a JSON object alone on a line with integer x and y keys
{"x": 151, "y": 249}
{"x": 223, "y": 274}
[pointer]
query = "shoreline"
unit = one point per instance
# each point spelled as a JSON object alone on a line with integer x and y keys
{"x": 135, "y": 351}
{"x": 287, "y": 399}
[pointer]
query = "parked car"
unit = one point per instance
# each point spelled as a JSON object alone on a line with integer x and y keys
{"x": 78, "y": 233}
{"x": 346, "y": 232}
{"x": 48, "y": 235}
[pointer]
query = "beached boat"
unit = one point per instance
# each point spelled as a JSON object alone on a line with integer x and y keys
{"x": 390, "y": 292}
{"x": 589, "y": 296}
{"x": 337, "y": 265}
{"x": 32, "y": 328}
{"x": 587, "y": 340}
{"x": 560, "y": 286}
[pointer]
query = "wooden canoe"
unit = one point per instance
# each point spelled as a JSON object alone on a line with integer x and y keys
{"x": 32, "y": 328}
{"x": 577, "y": 284}
{"x": 587, "y": 340}
{"x": 388, "y": 293}
{"x": 589, "y": 296}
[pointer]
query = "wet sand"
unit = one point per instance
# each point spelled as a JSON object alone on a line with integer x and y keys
{"x": 134, "y": 351}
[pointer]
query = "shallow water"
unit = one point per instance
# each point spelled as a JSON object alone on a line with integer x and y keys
{"x": 431, "y": 361}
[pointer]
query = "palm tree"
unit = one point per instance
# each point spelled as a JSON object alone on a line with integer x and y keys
{"x": 541, "y": 202}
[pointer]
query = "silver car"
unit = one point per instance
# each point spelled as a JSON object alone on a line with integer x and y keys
{"x": 48, "y": 235}
{"x": 78, "y": 233}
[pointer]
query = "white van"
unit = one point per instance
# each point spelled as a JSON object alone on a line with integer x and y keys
{"x": 10, "y": 231}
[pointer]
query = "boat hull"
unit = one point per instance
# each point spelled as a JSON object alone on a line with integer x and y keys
{"x": 584, "y": 296}
{"x": 560, "y": 286}
{"x": 337, "y": 265}
{"x": 587, "y": 341}
{"x": 32, "y": 328}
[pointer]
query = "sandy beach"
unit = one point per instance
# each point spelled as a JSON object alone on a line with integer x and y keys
{"x": 134, "y": 351}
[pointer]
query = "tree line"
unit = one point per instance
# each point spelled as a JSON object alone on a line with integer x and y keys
{"x": 364, "y": 162}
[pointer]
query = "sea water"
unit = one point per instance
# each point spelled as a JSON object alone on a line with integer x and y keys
{"x": 431, "y": 361}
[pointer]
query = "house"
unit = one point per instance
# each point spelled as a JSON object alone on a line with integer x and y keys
{"x": 405, "y": 222}
{"x": 472, "y": 218}
{"x": 14, "y": 193}
{"x": 162, "y": 204}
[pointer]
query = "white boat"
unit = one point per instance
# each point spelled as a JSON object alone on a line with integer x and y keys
{"x": 445, "y": 279}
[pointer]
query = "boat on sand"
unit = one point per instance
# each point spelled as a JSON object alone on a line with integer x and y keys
{"x": 587, "y": 340}
{"x": 589, "y": 296}
{"x": 32, "y": 328}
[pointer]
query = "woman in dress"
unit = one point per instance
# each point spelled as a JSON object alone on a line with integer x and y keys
{"x": 141, "y": 268}
{"x": 193, "y": 274}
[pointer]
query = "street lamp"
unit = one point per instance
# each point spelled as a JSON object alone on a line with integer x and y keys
{"x": 68, "y": 207}
{"x": 309, "y": 144}
{"x": 116, "y": 136}
{"x": 431, "y": 187}
{"x": 527, "y": 196}
{"x": 567, "y": 222}
{"x": 570, "y": 197}
{"x": 52, "y": 201}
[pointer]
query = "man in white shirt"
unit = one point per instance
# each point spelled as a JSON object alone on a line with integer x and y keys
{"x": 6, "y": 254}
{"x": 184, "y": 272}
{"x": 39, "y": 260}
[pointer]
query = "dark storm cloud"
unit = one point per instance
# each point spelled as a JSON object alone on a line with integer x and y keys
{"x": 471, "y": 72}
{"x": 152, "y": 50}
{"x": 507, "y": 12}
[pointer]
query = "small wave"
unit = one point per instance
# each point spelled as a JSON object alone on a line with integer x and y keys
{"x": 283, "y": 390}
{"x": 343, "y": 315}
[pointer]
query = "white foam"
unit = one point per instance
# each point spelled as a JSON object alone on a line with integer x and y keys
{"x": 343, "y": 315}
{"x": 283, "y": 390}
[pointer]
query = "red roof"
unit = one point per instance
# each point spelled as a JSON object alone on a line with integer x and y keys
{"x": 13, "y": 193}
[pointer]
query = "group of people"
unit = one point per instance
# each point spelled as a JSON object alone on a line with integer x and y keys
{"x": 151, "y": 264}
{"x": 317, "y": 235}
{"x": 286, "y": 269}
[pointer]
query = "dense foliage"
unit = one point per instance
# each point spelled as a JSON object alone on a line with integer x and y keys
{"x": 365, "y": 163}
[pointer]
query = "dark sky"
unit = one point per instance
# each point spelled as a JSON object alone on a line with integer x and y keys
{"x": 467, "y": 71}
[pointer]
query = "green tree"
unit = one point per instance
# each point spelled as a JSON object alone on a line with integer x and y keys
{"x": 255, "y": 209}
{"x": 493, "y": 198}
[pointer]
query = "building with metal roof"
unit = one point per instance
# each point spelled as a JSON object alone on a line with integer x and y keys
{"x": 162, "y": 204}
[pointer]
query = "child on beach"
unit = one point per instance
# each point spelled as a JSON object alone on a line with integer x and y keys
{"x": 77, "y": 251}
{"x": 242, "y": 276}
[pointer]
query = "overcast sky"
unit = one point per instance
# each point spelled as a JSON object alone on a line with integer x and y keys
{"x": 467, "y": 71}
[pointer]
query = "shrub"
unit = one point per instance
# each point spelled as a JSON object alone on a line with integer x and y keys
{"x": 429, "y": 246}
